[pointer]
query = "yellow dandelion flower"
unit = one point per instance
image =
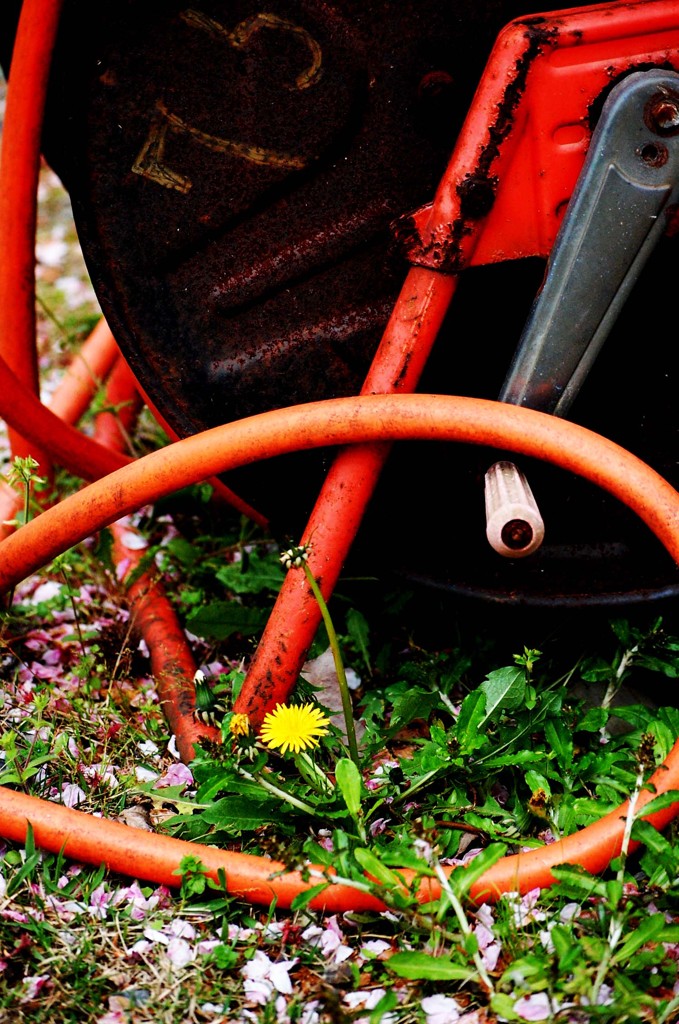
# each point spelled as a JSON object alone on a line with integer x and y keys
{"x": 239, "y": 725}
{"x": 294, "y": 727}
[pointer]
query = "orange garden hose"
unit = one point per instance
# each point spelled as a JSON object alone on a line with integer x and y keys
{"x": 156, "y": 858}
{"x": 369, "y": 418}
{"x": 85, "y": 374}
{"x": 220, "y": 492}
{"x": 366, "y": 419}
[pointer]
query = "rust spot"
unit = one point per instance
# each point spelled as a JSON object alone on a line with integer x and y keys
{"x": 662, "y": 114}
{"x": 478, "y": 190}
{"x": 405, "y": 233}
{"x": 537, "y": 39}
{"x": 404, "y": 369}
{"x": 654, "y": 154}
{"x": 477, "y": 196}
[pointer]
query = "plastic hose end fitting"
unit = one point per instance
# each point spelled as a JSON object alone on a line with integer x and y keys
{"x": 514, "y": 526}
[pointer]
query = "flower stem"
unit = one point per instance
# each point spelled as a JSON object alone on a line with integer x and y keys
{"x": 617, "y": 921}
{"x": 347, "y": 709}
{"x": 465, "y": 928}
{"x": 313, "y": 774}
{"x": 280, "y": 793}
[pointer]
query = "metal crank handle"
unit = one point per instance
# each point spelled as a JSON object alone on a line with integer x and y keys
{"x": 630, "y": 178}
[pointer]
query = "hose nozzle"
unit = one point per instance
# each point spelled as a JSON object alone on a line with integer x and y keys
{"x": 514, "y": 526}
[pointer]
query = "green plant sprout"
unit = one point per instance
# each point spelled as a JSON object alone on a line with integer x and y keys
{"x": 23, "y": 477}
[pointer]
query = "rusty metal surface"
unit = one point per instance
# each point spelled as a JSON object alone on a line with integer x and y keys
{"x": 235, "y": 171}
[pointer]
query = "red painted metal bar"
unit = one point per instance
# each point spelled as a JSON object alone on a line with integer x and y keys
{"x": 346, "y": 491}
{"x": 69, "y": 401}
{"x": 533, "y": 116}
{"x": 10, "y": 504}
{"x": 19, "y": 170}
{"x": 73, "y": 450}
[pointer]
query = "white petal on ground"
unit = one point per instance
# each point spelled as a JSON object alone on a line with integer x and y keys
{"x": 440, "y": 1009}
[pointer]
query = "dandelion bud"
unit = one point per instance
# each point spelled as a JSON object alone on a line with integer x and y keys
{"x": 295, "y": 557}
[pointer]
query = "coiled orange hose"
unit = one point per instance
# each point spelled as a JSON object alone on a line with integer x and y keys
{"x": 337, "y": 422}
{"x": 342, "y": 421}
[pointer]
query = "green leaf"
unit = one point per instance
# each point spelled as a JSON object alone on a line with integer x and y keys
{"x": 593, "y": 720}
{"x": 576, "y": 882}
{"x": 405, "y": 857}
{"x": 596, "y": 670}
{"x": 388, "y": 1002}
{"x": 375, "y": 867}
{"x": 415, "y": 703}
{"x": 348, "y": 780}
{"x": 240, "y": 813}
{"x": 359, "y": 631}
{"x": 463, "y": 878}
{"x": 303, "y": 899}
{"x": 222, "y": 619}
{"x": 503, "y": 1006}
{"x": 29, "y": 842}
{"x": 644, "y": 832}
{"x": 183, "y": 551}
{"x": 261, "y": 576}
{"x": 647, "y": 931}
{"x": 565, "y": 946}
{"x": 560, "y": 739}
{"x": 425, "y": 967}
{"x": 614, "y": 891}
{"x": 505, "y": 689}
{"x": 519, "y": 757}
{"x": 224, "y": 957}
{"x": 468, "y": 726}
{"x": 623, "y": 632}
{"x": 659, "y": 803}
{"x": 535, "y": 781}
{"x": 28, "y": 867}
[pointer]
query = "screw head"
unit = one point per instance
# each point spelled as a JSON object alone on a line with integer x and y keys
{"x": 662, "y": 114}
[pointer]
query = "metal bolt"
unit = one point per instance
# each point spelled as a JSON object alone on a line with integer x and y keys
{"x": 663, "y": 115}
